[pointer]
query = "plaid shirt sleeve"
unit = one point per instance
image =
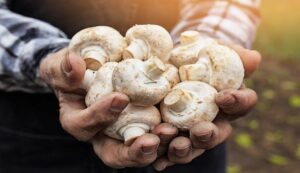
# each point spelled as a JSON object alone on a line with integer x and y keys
{"x": 232, "y": 21}
{"x": 24, "y": 42}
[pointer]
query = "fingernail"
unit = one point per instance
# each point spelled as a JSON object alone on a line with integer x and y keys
{"x": 164, "y": 138}
{"x": 148, "y": 150}
{"x": 118, "y": 105}
{"x": 66, "y": 65}
{"x": 225, "y": 99}
{"x": 205, "y": 137}
{"x": 181, "y": 152}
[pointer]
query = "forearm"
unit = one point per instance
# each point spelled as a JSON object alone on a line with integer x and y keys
{"x": 234, "y": 22}
{"x": 24, "y": 42}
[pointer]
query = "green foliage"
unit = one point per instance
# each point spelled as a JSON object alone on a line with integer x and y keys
{"x": 234, "y": 169}
{"x": 298, "y": 152}
{"x": 253, "y": 125}
{"x": 276, "y": 136}
{"x": 289, "y": 86}
{"x": 294, "y": 101}
{"x": 278, "y": 160}
{"x": 244, "y": 140}
{"x": 268, "y": 94}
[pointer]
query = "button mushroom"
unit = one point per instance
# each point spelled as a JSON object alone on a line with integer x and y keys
{"x": 143, "y": 82}
{"x": 189, "y": 102}
{"x": 98, "y": 45}
{"x": 191, "y": 43}
{"x": 218, "y": 65}
{"x": 145, "y": 41}
{"x": 134, "y": 121}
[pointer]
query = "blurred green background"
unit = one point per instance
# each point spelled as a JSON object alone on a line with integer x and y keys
{"x": 268, "y": 139}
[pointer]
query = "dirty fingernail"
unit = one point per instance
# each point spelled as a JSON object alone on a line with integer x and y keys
{"x": 148, "y": 150}
{"x": 181, "y": 152}
{"x": 205, "y": 137}
{"x": 118, "y": 105}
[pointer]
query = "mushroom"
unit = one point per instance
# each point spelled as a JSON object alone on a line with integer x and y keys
{"x": 143, "y": 82}
{"x": 98, "y": 45}
{"x": 102, "y": 83}
{"x": 145, "y": 41}
{"x": 191, "y": 43}
{"x": 218, "y": 65}
{"x": 134, "y": 121}
{"x": 188, "y": 103}
{"x": 172, "y": 74}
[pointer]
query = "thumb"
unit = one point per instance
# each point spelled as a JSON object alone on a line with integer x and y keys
{"x": 63, "y": 70}
{"x": 83, "y": 123}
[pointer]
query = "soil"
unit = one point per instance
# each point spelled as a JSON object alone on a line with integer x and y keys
{"x": 268, "y": 139}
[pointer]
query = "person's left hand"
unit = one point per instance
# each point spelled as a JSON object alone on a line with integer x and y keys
{"x": 206, "y": 135}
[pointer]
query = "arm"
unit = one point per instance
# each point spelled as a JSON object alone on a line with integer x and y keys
{"x": 24, "y": 42}
{"x": 232, "y": 21}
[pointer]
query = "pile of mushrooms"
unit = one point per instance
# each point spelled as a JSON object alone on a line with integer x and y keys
{"x": 144, "y": 66}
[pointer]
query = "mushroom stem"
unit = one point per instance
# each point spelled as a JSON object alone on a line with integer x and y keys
{"x": 94, "y": 57}
{"x": 177, "y": 100}
{"x": 154, "y": 67}
{"x": 88, "y": 79}
{"x": 189, "y": 37}
{"x": 195, "y": 72}
{"x": 137, "y": 49}
{"x": 132, "y": 131}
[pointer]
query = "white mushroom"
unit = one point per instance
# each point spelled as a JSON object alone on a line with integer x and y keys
{"x": 218, "y": 65}
{"x": 191, "y": 43}
{"x": 188, "y": 103}
{"x": 134, "y": 121}
{"x": 145, "y": 41}
{"x": 98, "y": 45}
{"x": 142, "y": 81}
{"x": 102, "y": 83}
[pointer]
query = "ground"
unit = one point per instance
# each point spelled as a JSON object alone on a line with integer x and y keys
{"x": 267, "y": 140}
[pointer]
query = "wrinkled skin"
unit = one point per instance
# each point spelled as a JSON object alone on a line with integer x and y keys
{"x": 64, "y": 72}
{"x": 206, "y": 135}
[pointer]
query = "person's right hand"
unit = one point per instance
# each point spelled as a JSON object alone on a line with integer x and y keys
{"x": 64, "y": 72}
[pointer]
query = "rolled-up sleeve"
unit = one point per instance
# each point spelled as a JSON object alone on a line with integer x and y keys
{"x": 24, "y": 42}
{"x": 232, "y": 21}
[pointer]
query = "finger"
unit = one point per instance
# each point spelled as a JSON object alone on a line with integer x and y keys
{"x": 179, "y": 150}
{"x": 85, "y": 123}
{"x": 166, "y": 132}
{"x": 207, "y": 135}
{"x": 162, "y": 163}
{"x": 250, "y": 58}
{"x": 117, "y": 155}
{"x": 236, "y": 103}
{"x": 63, "y": 70}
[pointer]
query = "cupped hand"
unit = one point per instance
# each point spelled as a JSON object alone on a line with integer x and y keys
{"x": 115, "y": 154}
{"x": 206, "y": 135}
{"x": 63, "y": 72}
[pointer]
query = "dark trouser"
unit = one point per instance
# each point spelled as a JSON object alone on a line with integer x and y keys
{"x": 31, "y": 141}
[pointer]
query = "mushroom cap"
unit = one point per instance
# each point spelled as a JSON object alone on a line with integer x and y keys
{"x": 188, "y": 50}
{"x": 109, "y": 39}
{"x": 132, "y": 114}
{"x": 226, "y": 67}
{"x": 102, "y": 84}
{"x": 200, "y": 105}
{"x": 131, "y": 78}
{"x": 156, "y": 37}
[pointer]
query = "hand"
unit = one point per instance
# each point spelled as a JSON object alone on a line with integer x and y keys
{"x": 115, "y": 154}
{"x": 206, "y": 135}
{"x": 64, "y": 72}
